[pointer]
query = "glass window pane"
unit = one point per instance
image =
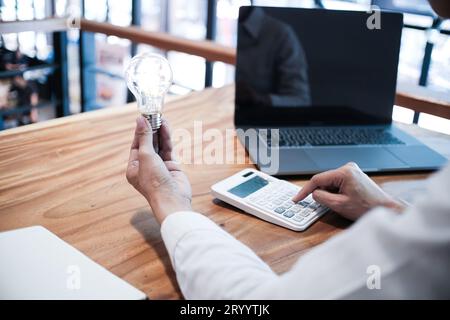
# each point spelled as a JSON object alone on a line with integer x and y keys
{"x": 95, "y": 10}
{"x": 39, "y": 9}
{"x": 434, "y": 123}
{"x": 187, "y": 18}
{"x": 411, "y": 55}
{"x": 223, "y": 74}
{"x": 226, "y": 34}
{"x": 188, "y": 70}
{"x": 401, "y": 114}
{"x": 25, "y": 10}
{"x": 438, "y": 77}
{"x": 8, "y": 10}
{"x": 60, "y": 7}
{"x": 120, "y": 12}
{"x": 284, "y": 3}
{"x": 112, "y": 54}
{"x": 153, "y": 15}
{"x": 227, "y": 15}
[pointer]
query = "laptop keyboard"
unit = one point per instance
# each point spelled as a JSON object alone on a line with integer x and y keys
{"x": 296, "y": 137}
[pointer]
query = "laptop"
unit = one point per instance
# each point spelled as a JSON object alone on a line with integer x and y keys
{"x": 36, "y": 264}
{"x": 317, "y": 88}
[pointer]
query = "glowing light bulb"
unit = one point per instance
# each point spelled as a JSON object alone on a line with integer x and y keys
{"x": 149, "y": 77}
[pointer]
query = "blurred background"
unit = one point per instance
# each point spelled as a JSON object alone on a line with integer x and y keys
{"x": 47, "y": 75}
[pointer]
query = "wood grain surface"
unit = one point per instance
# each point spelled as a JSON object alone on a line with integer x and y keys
{"x": 68, "y": 175}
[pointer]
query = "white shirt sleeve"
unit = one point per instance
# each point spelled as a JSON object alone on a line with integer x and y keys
{"x": 209, "y": 262}
{"x": 383, "y": 255}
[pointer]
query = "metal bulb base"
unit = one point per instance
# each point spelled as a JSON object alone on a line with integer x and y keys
{"x": 154, "y": 120}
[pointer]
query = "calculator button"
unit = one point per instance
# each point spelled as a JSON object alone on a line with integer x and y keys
{"x": 304, "y": 213}
{"x": 308, "y": 199}
{"x": 270, "y": 206}
{"x": 284, "y": 198}
{"x": 280, "y": 210}
{"x": 296, "y": 208}
{"x": 314, "y": 206}
{"x": 290, "y": 194}
{"x": 277, "y": 201}
{"x": 289, "y": 214}
{"x": 262, "y": 205}
{"x": 303, "y": 203}
{"x": 288, "y": 204}
{"x": 298, "y": 218}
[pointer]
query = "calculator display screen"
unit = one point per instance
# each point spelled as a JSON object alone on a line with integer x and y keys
{"x": 248, "y": 187}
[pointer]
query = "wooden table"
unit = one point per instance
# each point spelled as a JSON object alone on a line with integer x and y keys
{"x": 68, "y": 175}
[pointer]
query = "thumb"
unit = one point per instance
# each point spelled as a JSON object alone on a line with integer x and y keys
{"x": 144, "y": 136}
{"x": 333, "y": 201}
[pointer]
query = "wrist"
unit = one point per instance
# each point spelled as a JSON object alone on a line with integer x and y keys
{"x": 163, "y": 206}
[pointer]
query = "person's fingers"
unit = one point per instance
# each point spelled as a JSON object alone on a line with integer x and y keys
{"x": 149, "y": 161}
{"x": 172, "y": 166}
{"x": 134, "y": 155}
{"x": 333, "y": 201}
{"x": 143, "y": 137}
{"x": 133, "y": 166}
{"x": 165, "y": 143}
{"x": 134, "y": 150}
{"x": 322, "y": 180}
{"x": 304, "y": 191}
{"x": 135, "y": 143}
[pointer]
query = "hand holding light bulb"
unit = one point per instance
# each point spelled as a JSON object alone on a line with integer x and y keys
{"x": 153, "y": 171}
{"x": 158, "y": 177}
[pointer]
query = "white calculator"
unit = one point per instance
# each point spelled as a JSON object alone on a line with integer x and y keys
{"x": 268, "y": 198}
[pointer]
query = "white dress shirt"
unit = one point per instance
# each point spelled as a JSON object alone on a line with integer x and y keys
{"x": 383, "y": 255}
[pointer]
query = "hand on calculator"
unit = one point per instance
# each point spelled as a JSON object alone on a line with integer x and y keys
{"x": 268, "y": 198}
{"x": 347, "y": 191}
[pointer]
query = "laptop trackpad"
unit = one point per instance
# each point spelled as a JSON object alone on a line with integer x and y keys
{"x": 418, "y": 156}
{"x": 368, "y": 158}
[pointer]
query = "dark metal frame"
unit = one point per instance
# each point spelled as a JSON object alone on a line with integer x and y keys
{"x": 60, "y": 77}
{"x": 136, "y": 7}
{"x": 211, "y": 29}
{"x": 426, "y": 62}
{"x": 87, "y": 64}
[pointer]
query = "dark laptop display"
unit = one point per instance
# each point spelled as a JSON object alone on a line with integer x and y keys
{"x": 325, "y": 80}
{"x": 293, "y": 69}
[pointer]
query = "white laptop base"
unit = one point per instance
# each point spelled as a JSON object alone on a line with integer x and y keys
{"x": 268, "y": 198}
{"x": 36, "y": 264}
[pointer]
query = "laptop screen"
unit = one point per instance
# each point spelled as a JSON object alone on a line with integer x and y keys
{"x": 315, "y": 67}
